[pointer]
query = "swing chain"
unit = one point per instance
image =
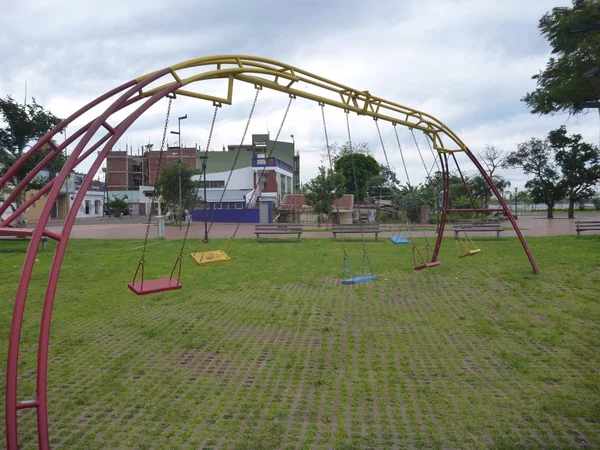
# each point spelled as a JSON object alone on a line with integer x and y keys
{"x": 237, "y": 155}
{"x": 355, "y": 179}
{"x": 337, "y": 206}
{"x": 162, "y": 146}
{"x": 287, "y": 110}
{"x": 217, "y": 105}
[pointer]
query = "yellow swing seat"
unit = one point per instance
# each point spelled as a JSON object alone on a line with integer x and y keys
{"x": 469, "y": 253}
{"x": 469, "y": 247}
{"x": 214, "y": 256}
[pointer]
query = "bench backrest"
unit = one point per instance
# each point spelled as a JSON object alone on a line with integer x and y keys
{"x": 278, "y": 227}
{"x": 482, "y": 225}
{"x": 358, "y": 227}
{"x": 580, "y": 223}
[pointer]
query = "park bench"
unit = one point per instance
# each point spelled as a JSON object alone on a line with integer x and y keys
{"x": 22, "y": 233}
{"x": 356, "y": 228}
{"x": 586, "y": 225}
{"x": 277, "y": 228}
{"x": 491, "y": 226}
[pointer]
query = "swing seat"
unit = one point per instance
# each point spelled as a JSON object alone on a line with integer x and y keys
{"x": 358, "y": 280}
{"x": 469, "y": 253}
{"x": 398, "y": 239}
{"x": 154, "y": 286}
{"x": 211, "y": 257}
{"x": 427, "y": 265}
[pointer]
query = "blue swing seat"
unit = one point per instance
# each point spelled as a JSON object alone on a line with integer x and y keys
{"x": 358, "y": 280}
{"x": 398, "y": 239}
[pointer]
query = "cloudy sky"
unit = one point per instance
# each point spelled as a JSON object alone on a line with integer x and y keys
{"x": 467, "y": 62}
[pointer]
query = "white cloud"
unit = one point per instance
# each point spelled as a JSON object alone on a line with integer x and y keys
{"x": 467, "y": 62}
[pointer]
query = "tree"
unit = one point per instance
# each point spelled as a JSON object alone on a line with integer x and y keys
{"x": 383, "y": 185}
{"x": 358, "y": 169}
{"x": 535, "y": 158}
{"x": 561, "y": 83}
{"x": 25, "y": 124}
{"x": 493, "y": 159}
{"x": 336, "y": 151}
{"x": 579, "y": 163}
{"x": 167, "y": 186}
{"x": 323, "y": 190}
{"x": 481, "y": 189}
{"x": 118, "y": 205}
{"x": 409, "y": 200}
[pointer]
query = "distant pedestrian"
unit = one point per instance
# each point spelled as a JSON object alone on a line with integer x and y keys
{"x": 188, "y": 216}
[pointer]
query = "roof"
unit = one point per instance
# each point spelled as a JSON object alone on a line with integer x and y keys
{"x": 292, "y": 202}
{"x": 231, "y": 195}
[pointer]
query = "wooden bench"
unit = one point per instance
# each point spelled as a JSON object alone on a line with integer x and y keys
{"x": 486, "y": 226}
{"x": 22, "y": 234}
{"x": 586, "y": 225}
{"x": 356, "y": 228}
{"x": 278, "y": 228}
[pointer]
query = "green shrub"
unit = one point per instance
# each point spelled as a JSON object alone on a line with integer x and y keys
{"x": 118, "y": 204}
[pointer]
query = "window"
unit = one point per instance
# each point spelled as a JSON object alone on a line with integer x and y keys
{"x": 218, "y": 206}
{"x": 212, "y": 184}
{"x": 97, "y": 205}
{"x": 239, "y": 206}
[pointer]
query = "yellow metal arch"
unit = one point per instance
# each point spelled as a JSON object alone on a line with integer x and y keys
{"x": 264, "y": 72}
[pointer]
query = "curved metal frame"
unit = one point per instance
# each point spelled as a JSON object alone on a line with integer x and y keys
{"x": 254, "y": 70}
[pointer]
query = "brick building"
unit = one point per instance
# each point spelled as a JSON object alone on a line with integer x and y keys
{"x": 127, "y": 172}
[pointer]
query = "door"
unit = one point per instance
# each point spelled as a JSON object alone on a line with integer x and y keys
{"x": 264, "y": 212}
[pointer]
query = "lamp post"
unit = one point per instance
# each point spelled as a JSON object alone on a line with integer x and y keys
{"x": 178, "y": 133}
{"x": 105, "y": 206}
{"x": 516, "y": 211}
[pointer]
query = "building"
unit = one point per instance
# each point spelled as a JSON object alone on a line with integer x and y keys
{"x": 273, "y": 177}
{"x": 131, "y": 177}
{"x": 293, "y": 209}
{"x": 127, "y": 172}
{"x": 90, "y": 207}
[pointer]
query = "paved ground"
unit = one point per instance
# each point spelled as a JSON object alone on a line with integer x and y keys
{"x": 133, "y": 228}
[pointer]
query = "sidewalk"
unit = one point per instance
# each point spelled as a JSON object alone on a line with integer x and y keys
{"x": 531, "y": 224}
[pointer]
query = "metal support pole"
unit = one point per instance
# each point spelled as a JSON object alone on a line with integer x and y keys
{"x": 180, "y": 209}
{"x": 204, "y": 163}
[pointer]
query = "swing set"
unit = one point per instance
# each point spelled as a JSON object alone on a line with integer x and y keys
{"x": 100, "y": 132}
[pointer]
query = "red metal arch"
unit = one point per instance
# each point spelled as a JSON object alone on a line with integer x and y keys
{"x": 245, "y": 69}
{"x": 87, "y": 132}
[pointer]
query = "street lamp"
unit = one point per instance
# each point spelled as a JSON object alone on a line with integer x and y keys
{"x": 516, "y": 212}
{"x": 178, "y": 133}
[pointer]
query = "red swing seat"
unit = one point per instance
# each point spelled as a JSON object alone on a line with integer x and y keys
{"x": 154, "y": 286}
{"x": 427, "y": 265}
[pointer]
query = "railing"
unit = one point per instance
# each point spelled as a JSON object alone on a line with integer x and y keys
{"x": 271, "y": 162}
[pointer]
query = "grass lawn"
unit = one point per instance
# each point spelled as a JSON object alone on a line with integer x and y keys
{"x": 270, "y": 351}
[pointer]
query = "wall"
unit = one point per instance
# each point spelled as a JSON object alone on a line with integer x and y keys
{"x": 240, "y": 178}
{"x": 34, "y": 211}
{"x": 116, "y": 170}
{"x": 170, "y": 156}
{"x": 229, "y": 215}
{"x": 96, "y": 205}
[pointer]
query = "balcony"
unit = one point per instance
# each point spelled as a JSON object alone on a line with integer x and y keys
{"x": 272, "y": 162}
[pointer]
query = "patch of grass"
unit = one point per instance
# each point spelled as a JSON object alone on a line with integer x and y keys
{"x": 271, "y": 351}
